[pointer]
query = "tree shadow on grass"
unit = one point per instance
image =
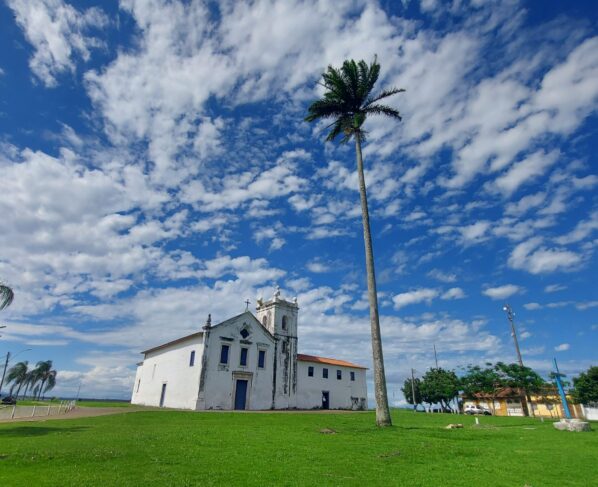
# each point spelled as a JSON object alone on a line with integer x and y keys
{"x": 29, "y": 431}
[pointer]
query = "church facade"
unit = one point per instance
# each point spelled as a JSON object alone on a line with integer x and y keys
{"x": 247, "y": 362}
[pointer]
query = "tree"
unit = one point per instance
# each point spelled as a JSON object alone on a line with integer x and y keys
{"x": 18, "y": 375}
{"x": 46, "y": 377}
{"x": 522, "y": 378}
{"x": 478, "y": 380}
{"x": 409, "y": 391}
{"x": 440, "y": 386}
{"x": 585, "y": 386}
{"x": 348, "y": 101}
{"x": 7, "y": 296}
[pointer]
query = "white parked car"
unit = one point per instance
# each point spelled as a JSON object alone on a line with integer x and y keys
{"x": 475, "y": 409}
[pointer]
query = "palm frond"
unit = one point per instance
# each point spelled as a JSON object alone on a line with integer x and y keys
{"x": 383, "y": 94}
{"x": 324, "y": 109}
{"x": 383, "y": 110}
{"x": 7, "y": 296}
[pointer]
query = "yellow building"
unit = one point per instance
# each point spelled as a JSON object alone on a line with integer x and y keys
{"x": 508, "y": 402}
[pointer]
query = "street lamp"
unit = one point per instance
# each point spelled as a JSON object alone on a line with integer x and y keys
{"x": 6, "y": 365}
{"x": 511, "y": 316}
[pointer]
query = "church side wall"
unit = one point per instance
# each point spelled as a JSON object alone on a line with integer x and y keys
{"x": 343, "y": 393}
{"x": 170, "y": 366}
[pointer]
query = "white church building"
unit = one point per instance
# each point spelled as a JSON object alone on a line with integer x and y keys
{"x": 247, "y": 362}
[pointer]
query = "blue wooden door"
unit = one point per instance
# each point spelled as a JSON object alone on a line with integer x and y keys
{"x": 240, "y": 394}
{"x": 325, "y": 400}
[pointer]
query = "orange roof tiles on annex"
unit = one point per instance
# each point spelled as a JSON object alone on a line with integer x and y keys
{"x": 329, "y": 361}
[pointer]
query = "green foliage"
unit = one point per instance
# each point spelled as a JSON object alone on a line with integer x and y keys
{"x": 439, "y": 386}
{"x": 516, "y": 376}
{"x": 585, "y": 386}
{"x": 7, "y": 296}
{"x": 174, "y": 448}
{"x": 408, "y": 391}
{"x": 348, "y": 99}
{"x": 481, "y": 380}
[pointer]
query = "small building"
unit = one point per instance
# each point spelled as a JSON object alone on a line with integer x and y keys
{"x": 508, "y": 402}
{"x": 247, "y": 362}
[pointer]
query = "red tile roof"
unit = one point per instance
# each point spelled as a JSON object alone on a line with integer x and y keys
{"x": 329, "y": 361}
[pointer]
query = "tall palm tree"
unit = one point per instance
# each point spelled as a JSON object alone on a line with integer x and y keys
{"x": 7, "y": 296}
{"x": 348, "y": 101}
{"x": 46, "y": 377}
{"x": 18, "y": 375}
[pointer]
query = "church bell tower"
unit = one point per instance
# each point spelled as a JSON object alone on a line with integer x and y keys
{"x": 279, "y": 317}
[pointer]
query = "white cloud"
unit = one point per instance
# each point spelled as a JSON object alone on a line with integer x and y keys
{"x": 442, "y": 276}
{"x": 317, "y": 267}
{"x": 581, "y": 231}
{"x": 532, "y": 306}
{"x": 454, "y": 293}
{"x": 562, "y": 347}
{"x": 502, "y": 292}
{"x": 529, "y": 256}
{"x": 413, "y": 297}
{"x": 58, "y": 33}
{"x": 553, "y": 288}
{"x": 525, "y": 171}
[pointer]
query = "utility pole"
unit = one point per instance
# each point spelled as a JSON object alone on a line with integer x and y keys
{"x": 435, "y": 356}
{"x": 511, "y": 317}
{"x": 4, "y": 372}
{"x": 413, "y": 391}
{"x": 559, "y": 385}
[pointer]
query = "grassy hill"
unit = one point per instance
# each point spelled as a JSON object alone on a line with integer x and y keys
{"x": 185, "y": 448}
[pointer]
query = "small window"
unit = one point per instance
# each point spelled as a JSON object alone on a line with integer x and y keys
{"x": 325, "y": 373}
{"x": 192, "y": 359}
{"x": 339, "y": 374}
{"x": 244, "y": 333}
{"x": 285, "y": 347}
{"x": 261, "y": 359}
{"x": 352, "y": 376}
{"x": 265, "y": 321}
{"x": 284, "y": 322}
{"x": 310, "y": 371}
{"x": 154, "y": 371}
{"x": 138, "y": 384}
{"x": 243, "y": 360}
{"x": 224, "y": 354}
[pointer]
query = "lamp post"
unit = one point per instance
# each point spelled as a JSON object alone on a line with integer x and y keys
{"x": 511, "y": 317}
{"x": 6, "y": 365}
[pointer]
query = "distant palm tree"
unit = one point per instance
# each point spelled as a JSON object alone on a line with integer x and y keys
{"x": 18, "y": 375}
{"x": 348, "y": 101}
{"x": 29, "y": 381}
{"x": 7, "y": 296}
{"x": 46, "y": 376}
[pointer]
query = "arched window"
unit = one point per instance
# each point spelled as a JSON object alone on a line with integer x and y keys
{"x": 284, "y": 322}
{"x": 265, "y": 321}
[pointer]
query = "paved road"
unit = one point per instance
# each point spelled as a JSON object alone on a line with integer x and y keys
{"x": 79, "y": 412}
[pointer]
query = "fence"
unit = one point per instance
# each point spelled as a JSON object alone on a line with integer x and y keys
{"x": 21, "y": 412}
{"x": 590, "y": 412}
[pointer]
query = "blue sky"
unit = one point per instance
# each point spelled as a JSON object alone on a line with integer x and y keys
{"x": 156, "y": 168}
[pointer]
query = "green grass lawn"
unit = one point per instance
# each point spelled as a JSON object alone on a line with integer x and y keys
{"x": 186, "y": 448}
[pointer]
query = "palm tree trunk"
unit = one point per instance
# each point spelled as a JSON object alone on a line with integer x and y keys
{"x": 382, "y": 409}
{"x": 41, "y": 387}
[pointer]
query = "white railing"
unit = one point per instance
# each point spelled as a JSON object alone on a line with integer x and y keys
{"x": 21, "y": 412}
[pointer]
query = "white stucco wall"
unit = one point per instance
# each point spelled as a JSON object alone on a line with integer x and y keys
{"x": 219, "y": 380}
{"x": 170, "y": 366}
{"x": 309, "y": 389}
